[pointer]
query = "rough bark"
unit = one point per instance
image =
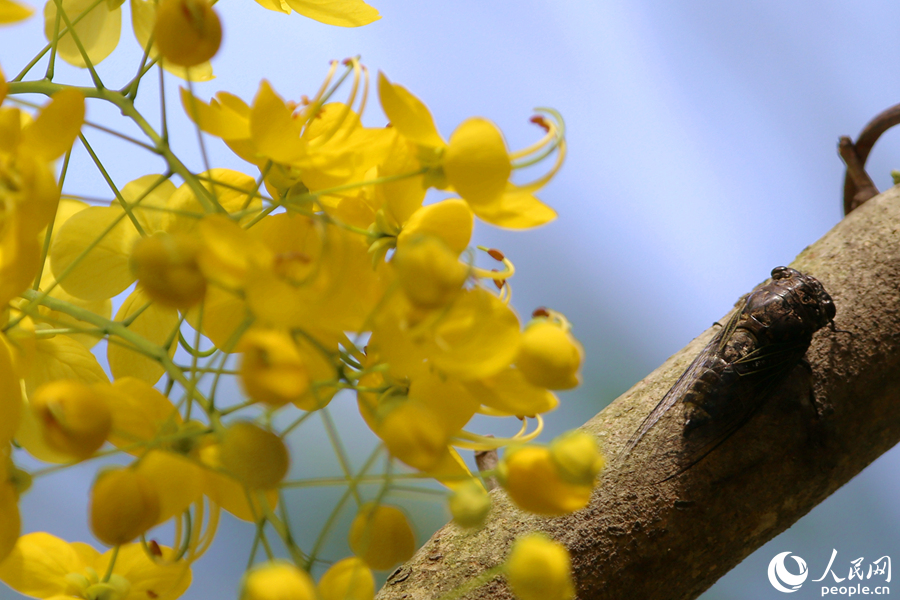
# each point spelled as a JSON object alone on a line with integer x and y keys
{"x": 642, "y": 537}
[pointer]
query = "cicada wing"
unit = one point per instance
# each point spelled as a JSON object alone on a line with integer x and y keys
{"x": 760, "y": 372}
{"x": 675, "y": 393}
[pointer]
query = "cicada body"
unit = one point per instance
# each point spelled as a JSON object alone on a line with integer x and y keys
{"x": 751, "y": 355}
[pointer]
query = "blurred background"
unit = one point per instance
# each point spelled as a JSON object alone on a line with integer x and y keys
{"x": 702, "y": 153}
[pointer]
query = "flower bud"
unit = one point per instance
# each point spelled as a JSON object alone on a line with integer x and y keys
{"x": 124, "y": 505}
{"x": 577, "y": 458}
{"x": 532, "y": 480}
{"x": 470, "y": 504}
{"x": 539, "y": 569}
{"x": 429, "y": 272}
{"x": 272, "y": 370}
{"x": 167, "y": 270}
{"x": 187, "y": 32}
{"x": 348, "y": 579}
{"x": 381, "y": 536}
{"x": 256, "y": 457}
{"x": 75, "y": 419}
{"x": 277, "y": 581}
{"x": 549, "y": 357}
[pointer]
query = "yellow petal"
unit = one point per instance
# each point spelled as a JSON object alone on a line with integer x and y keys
{"x": 177, "y": 480}
{"x": 61, "y": 357}
{"x": 233, "y": 191}
{"x": 451, "y": 220}
{"x": 515, "y": 209}
{"x": 166, "y": 580}
{"x": 273, "y": 128}
{"x": 98, "y": 31}
{"x": 408, "y": 114}
{"x": 10, "y": 397}
{"x": 156, "y": 324}
{"x": 140, "y": 413}
{"x": 343, "y": 13}
{"x": 109, "y": 256}
{"x": 477, "y": 163}
{"x": 10, "y": 12}
{"x": 154, "y": 193}
{"x": 38, "y": 565}
{"x": 19, "y": 258}
{"x": 11, "y": 523}
{"x": 509, "y": 392}
{"x": 382, "y": 536}
{"x": 57, "y": 125}
{"x": 215, "y": 118}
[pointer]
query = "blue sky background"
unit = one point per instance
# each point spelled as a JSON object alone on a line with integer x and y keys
{"x": 702, "y": 153}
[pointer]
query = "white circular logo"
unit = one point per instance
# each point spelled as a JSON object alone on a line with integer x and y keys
{"x": 782, "y": 579}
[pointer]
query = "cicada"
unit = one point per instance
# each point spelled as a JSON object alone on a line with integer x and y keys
{"x": 750, "y": 355}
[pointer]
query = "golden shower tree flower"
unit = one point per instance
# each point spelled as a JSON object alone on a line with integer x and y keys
{"x": 28, "y": 189}
{"x": 475, "y": 163}
{"x": 44, "y": 566}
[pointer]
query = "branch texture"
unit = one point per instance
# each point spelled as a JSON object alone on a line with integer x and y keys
{"x": 642, "y": 537}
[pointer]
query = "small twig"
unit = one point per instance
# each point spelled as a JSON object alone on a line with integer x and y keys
{"x": 858, "y": 186}
{"x": 487, "y": 462}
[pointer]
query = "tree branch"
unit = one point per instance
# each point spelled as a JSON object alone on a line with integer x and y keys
{"x": 642, "y": 537}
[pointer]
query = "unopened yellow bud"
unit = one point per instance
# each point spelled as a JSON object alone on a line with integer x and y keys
{"x": 272, "y": 369}
{"x": 167, "y": 270}
{"x": 550, "y": 357}
{"x": 348, "y": 579}
{"x": 74, "y": 418}
{"x": 470, "y": 504}
{"x": 381, "y": 536}
{"x": 124, "y": 504}
{"x": 429, "y": 271}
{"x": 187, "y": 32}
{"x": 414, "y": 434}
{"x": 539, "y": 569}
{"x": 577, "y": 457}
{"x": 277, "y": 581}
{"x": 256, "y": 457}
{"x": 532, "y": 480}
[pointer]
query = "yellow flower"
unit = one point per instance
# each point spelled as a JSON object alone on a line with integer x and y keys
{"x": 28, "y": 190}
{"x": 475, "y": 163}
{"x": 474, "y": 337}
{"x": 143, "y": 414}
{"x": 549, "y": 356}
{"x": 277, "y": 581}
{"x": 348, "y": 579}
{"x": 381, "y": 536}
{"x": 534, "y": 482}
{"x": 539, "y": 569}
{"x": 187, "y": 32}
{"x": 44, "y": 566}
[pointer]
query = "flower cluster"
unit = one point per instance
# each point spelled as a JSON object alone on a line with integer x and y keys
{"x": 325, "y": 276}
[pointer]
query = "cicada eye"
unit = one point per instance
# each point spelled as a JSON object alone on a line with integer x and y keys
{"x": 781, "y": 272}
